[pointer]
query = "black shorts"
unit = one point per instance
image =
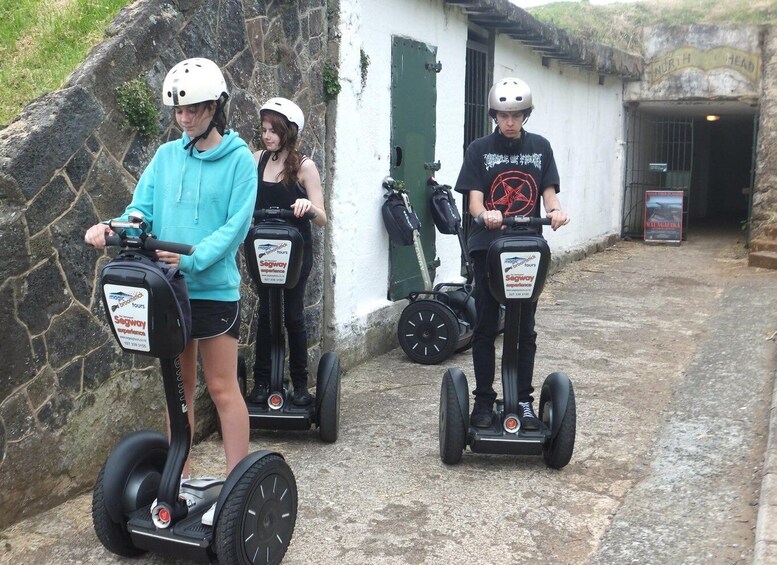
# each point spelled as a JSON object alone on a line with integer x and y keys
{"x": 212, "y": 318}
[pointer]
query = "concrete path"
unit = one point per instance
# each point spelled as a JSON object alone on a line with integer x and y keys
{"x": 673, "y": 370}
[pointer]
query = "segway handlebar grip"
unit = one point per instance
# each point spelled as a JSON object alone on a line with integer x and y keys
{"x": 280, "y": 214}
{"x": 154, "y": 244}
{"x": 432, "y": 182}
{"x": 518, "y": 221}
{"x": 149, "y": 244}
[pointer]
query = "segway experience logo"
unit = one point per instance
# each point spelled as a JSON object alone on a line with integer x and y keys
{"x": 272, "y": 257}
{"x": 128, "y": 307}
{"x": 515, "y": 192}
{"x": 519, "y": 273}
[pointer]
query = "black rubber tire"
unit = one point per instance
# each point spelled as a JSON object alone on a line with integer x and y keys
{"x": 428, "y": 332}
{"x": 328, "y": 397}
{"x": 259, "y": 515}
{"x": 114, "y": 537}
{"x": 557, "y": 451}
{"x": 453, "y": 431}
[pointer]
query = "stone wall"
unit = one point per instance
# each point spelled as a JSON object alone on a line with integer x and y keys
{"x": 765, "y": 190}
{"x": 68, "y": 393}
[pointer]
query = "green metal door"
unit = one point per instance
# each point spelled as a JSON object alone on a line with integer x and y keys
{"x": 413, "y": 117}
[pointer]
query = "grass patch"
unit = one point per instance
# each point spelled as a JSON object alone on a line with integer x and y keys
{"x": 620, "y": 24}
{"x": 42, "y": 41}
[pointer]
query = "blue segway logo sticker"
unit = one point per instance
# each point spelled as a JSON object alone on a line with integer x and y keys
{"x": 272, "y": 257}
{"x": 519, "y": 273}
{"x": 129, "y": 315}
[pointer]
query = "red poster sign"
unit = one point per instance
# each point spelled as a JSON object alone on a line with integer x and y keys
{"x": 663, "y": 216}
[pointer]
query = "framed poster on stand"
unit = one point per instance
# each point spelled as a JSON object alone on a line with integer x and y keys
{"x": 663, "y": 216}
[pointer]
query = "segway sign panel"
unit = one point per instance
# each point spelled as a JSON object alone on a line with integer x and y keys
{"x": 272, "y": 257}
{"x": 128, "y": 306}
{"x": 519, "y": 273}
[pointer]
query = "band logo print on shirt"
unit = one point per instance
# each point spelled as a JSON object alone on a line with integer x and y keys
{"x": 515, "y": 193}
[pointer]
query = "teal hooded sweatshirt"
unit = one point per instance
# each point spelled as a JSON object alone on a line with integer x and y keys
{"x": 205, "y": 199}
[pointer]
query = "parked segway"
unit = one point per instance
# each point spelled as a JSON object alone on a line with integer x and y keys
{"x": 136, "y": 505}
{"x": 437, "y": 321}
{"x": 518, "y": 265}
{"x": 274, "y": 253}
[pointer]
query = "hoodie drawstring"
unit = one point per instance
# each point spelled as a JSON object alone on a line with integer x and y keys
{"x": 197, "y": 193}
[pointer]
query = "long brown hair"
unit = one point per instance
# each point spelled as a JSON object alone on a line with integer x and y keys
{"x": 287, "y": 132}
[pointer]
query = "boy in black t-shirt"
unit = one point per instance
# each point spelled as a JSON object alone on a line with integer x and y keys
{"x": 505, "y": 174}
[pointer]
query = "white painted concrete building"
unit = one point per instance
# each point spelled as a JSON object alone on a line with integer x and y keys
{"x": 579, "y": 110}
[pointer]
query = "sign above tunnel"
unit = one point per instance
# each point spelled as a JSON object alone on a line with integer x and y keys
{"x": 698, "y": 63}
{"x": 748, "y": 65}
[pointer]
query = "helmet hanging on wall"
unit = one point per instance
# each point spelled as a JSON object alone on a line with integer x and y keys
{"x": 192, "y": 81}
{"x": 287, "y": 109}
{"x": 510, "y": 95}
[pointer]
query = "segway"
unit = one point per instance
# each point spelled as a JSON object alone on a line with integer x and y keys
{"x": 136, "y": 505}
{"x": 274, "y": 253}
{"x": 437, "y": 321}
{"x": 518, "y": 266}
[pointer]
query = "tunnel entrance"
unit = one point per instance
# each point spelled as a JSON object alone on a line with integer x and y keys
{"x": 705, "y": 150}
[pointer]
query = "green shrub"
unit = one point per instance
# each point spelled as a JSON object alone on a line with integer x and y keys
{"x": 136, "y": 101}
{"x": 332, "y": 85}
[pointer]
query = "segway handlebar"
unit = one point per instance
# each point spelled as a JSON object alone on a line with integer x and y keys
{"x": 432, "y": 182}
{"x": 144, "y": 241}
{"x": 529, "y": 221}
{"x": 280, "y": 214}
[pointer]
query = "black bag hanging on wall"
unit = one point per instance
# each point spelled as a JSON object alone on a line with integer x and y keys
{"x": 444, "y": 211}
{"x": 399, "y": 220}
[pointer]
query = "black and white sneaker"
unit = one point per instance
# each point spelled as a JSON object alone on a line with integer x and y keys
{"x": 259, "y": 393}
{"x": 302, "y": 397}
{"x": 482, "y": 413}
{"x": 528, "y": 418}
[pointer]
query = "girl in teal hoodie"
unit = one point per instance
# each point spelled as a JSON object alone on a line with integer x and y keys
{"x": 201, "y": 190}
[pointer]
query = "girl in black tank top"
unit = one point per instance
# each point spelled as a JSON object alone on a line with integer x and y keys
{"x": 288, "y": 180}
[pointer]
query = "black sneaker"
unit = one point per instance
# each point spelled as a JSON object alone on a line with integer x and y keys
{"x": 528, "y": 418}
{"x": 301, "y": 397}
{"x": 259, "y": 393}
{"x": 482, "y": 413}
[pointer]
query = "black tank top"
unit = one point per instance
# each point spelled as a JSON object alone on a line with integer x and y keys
{"x": 276, "y": 194}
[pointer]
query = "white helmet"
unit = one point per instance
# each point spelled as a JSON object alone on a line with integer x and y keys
{"x": 192, "y": 81}
{"x": 287, "y": 109}
{"x": 509, "y": 95}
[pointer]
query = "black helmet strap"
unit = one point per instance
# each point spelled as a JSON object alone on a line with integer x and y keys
{"x": 213, "y": 123}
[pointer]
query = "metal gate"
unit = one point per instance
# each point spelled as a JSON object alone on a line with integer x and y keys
{"x": 659, "y": 156}
{"x": 477, "y": 81}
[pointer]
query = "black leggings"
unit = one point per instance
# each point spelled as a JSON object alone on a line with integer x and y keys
{"x": 296, "y": 333}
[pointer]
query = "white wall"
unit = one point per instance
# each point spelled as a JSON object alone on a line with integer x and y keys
{"x": 360, "y": 244}
{"x": 583, "y": 121}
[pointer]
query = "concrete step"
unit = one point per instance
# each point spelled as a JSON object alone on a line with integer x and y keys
{"x": 763, "y": 244}
{"x": 763, "y": 259}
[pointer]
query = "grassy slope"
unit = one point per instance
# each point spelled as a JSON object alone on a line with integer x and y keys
{"x": 42, "y": 41}
{"x": 619, "y": 24}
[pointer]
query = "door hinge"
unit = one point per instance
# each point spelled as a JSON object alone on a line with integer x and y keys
{"x": 436, "y": 67}
{"x": 432, "y": 166}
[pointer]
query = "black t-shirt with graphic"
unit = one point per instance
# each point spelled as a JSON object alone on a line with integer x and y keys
{"x": 511, "y": 173}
